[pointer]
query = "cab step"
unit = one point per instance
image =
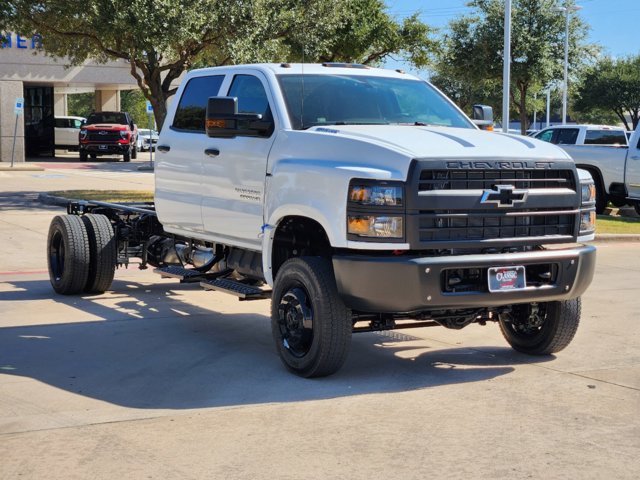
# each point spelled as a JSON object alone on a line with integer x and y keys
{"x": 185, "y": 275}
{"x": 240, "y": 290}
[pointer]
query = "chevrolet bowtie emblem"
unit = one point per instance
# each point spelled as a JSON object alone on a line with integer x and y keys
{"x": 504, "y": 196}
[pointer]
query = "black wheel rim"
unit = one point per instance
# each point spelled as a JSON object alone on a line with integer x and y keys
{"x": 295, "y": 316}
{"x": 528, "y": 329}
{"x": 56, "y": 255}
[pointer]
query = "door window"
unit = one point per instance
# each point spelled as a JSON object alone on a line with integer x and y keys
{"x": 545, "y": 136}
{"x": 193, "y": 103}
{"x": 566, "y": 136}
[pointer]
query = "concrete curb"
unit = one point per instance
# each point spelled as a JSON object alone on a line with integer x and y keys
{"x": 20, "y": 167}
{"x": 617, "y": 237}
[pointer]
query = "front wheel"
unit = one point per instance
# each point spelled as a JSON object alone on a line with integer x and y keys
{"x": 541, "y": 329}
{"x": 311, "y": 326}
{"x": 126, "y": 156}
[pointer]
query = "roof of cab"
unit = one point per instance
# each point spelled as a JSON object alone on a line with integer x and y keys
{"x": 328, "y": 68}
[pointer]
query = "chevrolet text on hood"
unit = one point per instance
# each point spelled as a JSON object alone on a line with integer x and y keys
{"x": 356, "y": 200}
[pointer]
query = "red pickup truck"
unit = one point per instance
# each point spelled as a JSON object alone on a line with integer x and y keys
{"x": 108, "y": 133}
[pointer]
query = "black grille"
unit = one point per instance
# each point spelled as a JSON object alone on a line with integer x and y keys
{"x": 486, "y": 179}
{"x": 103, "y": 137}
{"x": 447, "y": 225}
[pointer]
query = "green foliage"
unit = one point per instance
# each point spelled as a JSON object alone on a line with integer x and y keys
{"x": 134, "y": 102}
{"x": 612, "y": 86}
{"x": 81, "y": 104}
{"x": 473, "y": 50}
{"x": 161, "y": 39}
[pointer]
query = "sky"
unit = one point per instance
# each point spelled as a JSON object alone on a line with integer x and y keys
{"x": 614, "y": 23}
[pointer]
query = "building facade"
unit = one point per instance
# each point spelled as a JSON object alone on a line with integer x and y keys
{"x": 44, "y": 83}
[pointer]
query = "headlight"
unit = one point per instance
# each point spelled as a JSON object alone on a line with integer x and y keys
{"x": 376, "y": 226}
{"x": 587, "y": 222}
{"x": 83, "y": 134}
{"x": 383, "y": 195}
{"x": 124, "y": 134}
{"x": 588, "y": 193}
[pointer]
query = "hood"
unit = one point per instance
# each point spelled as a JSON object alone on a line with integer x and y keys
{"x": 106, "y": 126}
{"x": 446, "y": 142}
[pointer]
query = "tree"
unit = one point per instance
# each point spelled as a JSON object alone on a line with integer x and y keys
{"x": 161, "y": 39}
{"x": 473, "y": 47}
{"x": 612, "y": 86}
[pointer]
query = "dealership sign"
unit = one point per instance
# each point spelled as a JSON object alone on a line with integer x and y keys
{"x": 12, "y": 40}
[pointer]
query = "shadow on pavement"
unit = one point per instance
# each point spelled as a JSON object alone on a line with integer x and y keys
{"x": 24, "y": 201}
{"x": 143, "y": 346}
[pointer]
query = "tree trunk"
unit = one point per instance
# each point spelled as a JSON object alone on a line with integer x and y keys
{"x": 522, "y": 109}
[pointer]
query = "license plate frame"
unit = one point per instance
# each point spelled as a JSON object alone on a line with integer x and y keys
{"x": 103, "y": 147}
{"x": 506, "y": 279}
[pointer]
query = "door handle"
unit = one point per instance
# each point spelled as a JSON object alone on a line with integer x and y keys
{"x": 635, "y": 157}
{"x": 212, "y": 152}
{"x": 163, "y": 148}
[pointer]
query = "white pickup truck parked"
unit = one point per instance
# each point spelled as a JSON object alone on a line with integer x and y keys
{"x": 602, "y": 151}
{"x": 357, "y": 200}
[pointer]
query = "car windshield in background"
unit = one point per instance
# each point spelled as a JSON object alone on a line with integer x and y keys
{"x": 605, "y": 137}
{"x": 106, "y": 117}
{"x": 363, "y": 100}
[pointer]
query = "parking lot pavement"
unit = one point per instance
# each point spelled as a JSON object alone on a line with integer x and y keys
{"x": 161, "y": 380}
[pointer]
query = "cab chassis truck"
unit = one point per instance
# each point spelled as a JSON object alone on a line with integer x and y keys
{"x": 363, "y": 201}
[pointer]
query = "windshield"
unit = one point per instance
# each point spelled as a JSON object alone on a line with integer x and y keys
{"x": 107, "y": 117}
{"x": 363, "y": 100}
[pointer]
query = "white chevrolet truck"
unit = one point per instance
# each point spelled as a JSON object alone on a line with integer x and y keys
{"x": 357, "y": 200}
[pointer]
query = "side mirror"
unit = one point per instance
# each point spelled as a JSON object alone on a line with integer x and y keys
{"x": 223, "y": 120}
{"x": 482, "y": 116}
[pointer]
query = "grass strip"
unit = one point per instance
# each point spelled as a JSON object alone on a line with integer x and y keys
{"x": 609, "y": 224}
{"x": 111, "y": 196}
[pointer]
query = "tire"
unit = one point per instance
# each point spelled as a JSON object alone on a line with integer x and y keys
{"x": 94, "y": 156}
{"x": 103, "y": 253}
{"x": 559, "y": 323}
{"x": 68, "y": 254}
{"x": 83, "y": 156}
{"x": 310, "y": 324}
{"x": 601, "y": 198}
{"x": 127, "y": 156}
{"x": 636, "y": 206}
{"x": 134, "y": 152}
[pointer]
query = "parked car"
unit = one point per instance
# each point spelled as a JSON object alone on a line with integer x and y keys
{"x": 108, "y": 133}
{"x": 147, "y": 139}
{"x": 583, "y": 135}
{"x": 599, "y": 149}
{"x": 66, "y": 129}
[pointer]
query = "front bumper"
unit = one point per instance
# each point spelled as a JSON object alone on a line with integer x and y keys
{"x": 104, "y": 148}
{"x": 413, "y": 284}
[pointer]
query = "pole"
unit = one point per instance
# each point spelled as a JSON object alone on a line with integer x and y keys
{"x": 535, "y": 109}
{"x": 566, "y": 65}
{"x": 15, "y": 133}
{"x": 506, "y": 72}
{"x": 150, "y": 143}
{"x": 548, "y": 107}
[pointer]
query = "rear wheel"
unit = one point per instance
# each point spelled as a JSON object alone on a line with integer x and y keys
{"x": 601, "y": 199}
{"x": 134, "y": 152}
{"x": 127, "y": 156}
{"x": 103, "y": 253}
{"x": 541, "y": 329}
{"x": 311, "y": 326}
{"x": 68, "y": 254}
